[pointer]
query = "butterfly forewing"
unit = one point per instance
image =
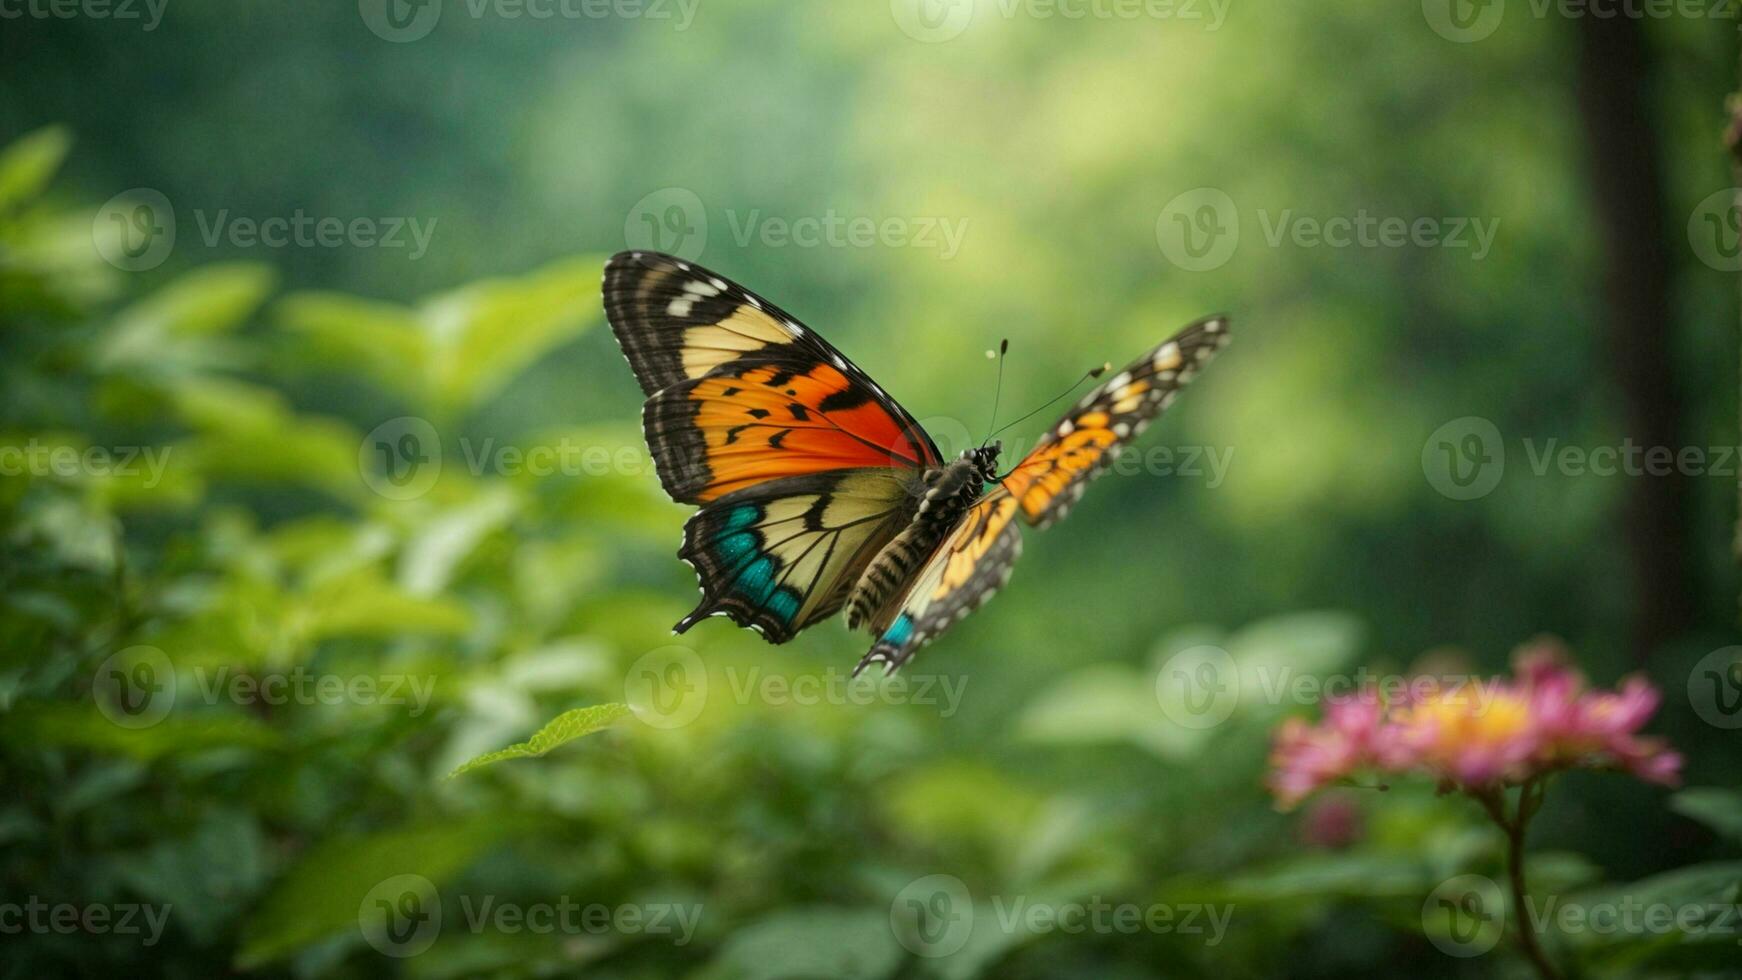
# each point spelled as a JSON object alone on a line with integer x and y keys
{"x": 803, "y": 465}
{"x": 1053, "y": 476}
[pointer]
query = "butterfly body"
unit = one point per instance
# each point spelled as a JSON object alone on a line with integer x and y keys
{"x": 947, "y": 492}
{"x": 817, "y": 490}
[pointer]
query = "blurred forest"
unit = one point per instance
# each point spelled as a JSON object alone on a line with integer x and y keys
{"x": 315, "y": 460}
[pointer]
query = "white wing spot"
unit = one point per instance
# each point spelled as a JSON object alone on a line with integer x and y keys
{"x": 700, "y": 288}
{"x": 680, "y": 307}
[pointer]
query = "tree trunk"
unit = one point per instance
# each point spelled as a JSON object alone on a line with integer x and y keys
{"x": 1614, "y": 81}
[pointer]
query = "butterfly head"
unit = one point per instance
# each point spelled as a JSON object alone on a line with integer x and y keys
{"x": 985, "y": 460}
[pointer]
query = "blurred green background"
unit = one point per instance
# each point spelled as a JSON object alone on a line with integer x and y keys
{"x": 242, "y": 506}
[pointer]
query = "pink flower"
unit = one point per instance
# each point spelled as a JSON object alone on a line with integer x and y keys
{"x": 1478, "y": 736}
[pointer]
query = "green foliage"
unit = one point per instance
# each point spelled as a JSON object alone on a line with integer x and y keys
{"x": 260, "y": 547}
{"x": 566, "y": 727}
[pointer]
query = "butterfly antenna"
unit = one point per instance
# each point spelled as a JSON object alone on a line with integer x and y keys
{"x": 998, "y": 390}
{"x": 1094, "y": 373}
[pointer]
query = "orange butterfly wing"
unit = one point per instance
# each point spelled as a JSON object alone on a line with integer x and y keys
{"x": 739, "y": 392}
{"x": 1053, "y": 476}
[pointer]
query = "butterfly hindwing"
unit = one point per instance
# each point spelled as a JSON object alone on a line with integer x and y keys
{"x": 975, "y": 559}
{"x": 1053, "y": 476}
{"x": 971, "y": 563}
{"x": 782, "y": 555}
{"x": 739, "y": 392}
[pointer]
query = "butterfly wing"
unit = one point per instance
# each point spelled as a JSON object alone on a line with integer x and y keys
{"x": 975, "y": 559}
{"x": 782, "y": 555}
{"x": 969, "y": 565}
{"x": 739, "y": 392}
{"x": 1053, "y": 476}
{"x": 804, "y": 467}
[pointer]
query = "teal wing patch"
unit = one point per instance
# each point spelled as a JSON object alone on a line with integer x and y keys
{"x": 782, "y": 555}
{"x": 971, "y": 564}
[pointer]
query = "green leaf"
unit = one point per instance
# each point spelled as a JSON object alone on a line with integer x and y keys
{"x": 1103, "y": 704}
{"x": 30, "y": 163}
{"x": 1714, "y": 806}
{"x": 455, "y": 349}
{"x": 565, "y": 727}
{"x": 804, "y": 943}
{"x": 82, "y": 726}
{"x": 322, "y": 894}
{"x": 173, "y": 324}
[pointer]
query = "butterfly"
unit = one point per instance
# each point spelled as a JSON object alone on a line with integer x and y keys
{"x": 817, "y": 491}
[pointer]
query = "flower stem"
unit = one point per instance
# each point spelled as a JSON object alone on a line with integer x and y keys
{"x": 1529, "y": 799}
